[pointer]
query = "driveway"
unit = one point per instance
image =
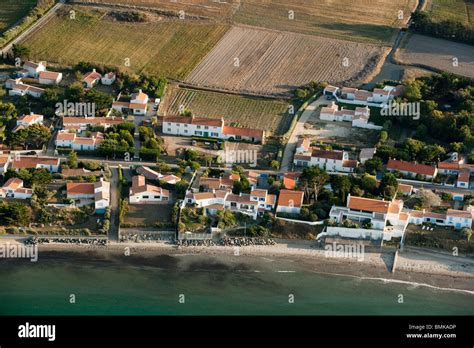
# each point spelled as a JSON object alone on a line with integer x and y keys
{"x": 114, "y": 206}
{"x": 286, "y": 162}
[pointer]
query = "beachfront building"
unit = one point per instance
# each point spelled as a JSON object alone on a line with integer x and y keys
{"x": 143, "y": 193}
{"x": 210, "y": 128}
{"x": 412, "y": 169}
{"x": 13, "y": 188}
{"x": 457, "y": 219}
{"x": 290, "y": 202}
{"x": 85, "y": 193}
{"x": 253, "y": 204}
{"x": 383, "y": 219}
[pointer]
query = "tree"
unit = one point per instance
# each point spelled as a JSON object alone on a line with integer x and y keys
{"x": 312, "y": 181}
{"x": 373, "y": 165}
{"x": 368, "y": 182}
{"x": 467, "y": 233}
{"x": 389, "y": 185}
{"x": 275, "y": 164}
{"x": 341, "y": 185}
{"x": 20, "y": 51}
{"x": 72, "y": 160}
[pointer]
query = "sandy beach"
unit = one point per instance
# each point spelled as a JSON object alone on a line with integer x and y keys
{"x": 415, "y": 266}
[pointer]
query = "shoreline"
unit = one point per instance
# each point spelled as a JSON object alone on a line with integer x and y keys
{"x": 414, "y": 267}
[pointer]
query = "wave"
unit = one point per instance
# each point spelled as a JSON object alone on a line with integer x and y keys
{"x": 399, "y": 281}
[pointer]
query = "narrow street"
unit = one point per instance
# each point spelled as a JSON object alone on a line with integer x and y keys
{"x": 114, "y": 205}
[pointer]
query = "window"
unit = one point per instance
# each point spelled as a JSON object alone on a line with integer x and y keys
{"x": 206, "y": 127}
{"x": 198, "y": 127}
{"x": 146, "y": 197}
{"x": 233, "y": 204}
{"x": 169, "y": 129}
{"x": 186, "y": 125}
{"x": 157, "y": 197}
{"x": 185, "y": 131}
{"x": 214, "y": 135}
{"x": 238, "y": 137}
{"x": 164, "y": 198}
{"x": 198, "y": 133}
{"x": 169, "y": 124}
{"x": 262, "y": 199}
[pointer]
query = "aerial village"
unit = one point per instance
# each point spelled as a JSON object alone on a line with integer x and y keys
{"x": 102, "y": 168}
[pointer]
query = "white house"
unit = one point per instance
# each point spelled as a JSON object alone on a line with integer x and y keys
{"x": 382, "y": 215}
{"x": 330, "y": 160}
{"x": 90, "y": 79}
{"x": 464, "y": 178}
{"x": 412, "y": 169}
{"x": 14, "y": 188}
{"x": 108, "y": 79}
{"x": 141, "y": 193}
{"x": 88, "y": 192}
{"x": 27, "y": 121}
{"x": 50, "y": 77}
{"x": 359, "y": 117}
{"x": 18, "y": 88}
{"x": 66, "y": 139}
{"x": 457, "y": 219}
{"x": 210, "y": 127}
{"x": 36, "y": 162}
{"x": 290, "y": 202}
{"x": 138, "y": 104}
{"x": 34, "y": 69}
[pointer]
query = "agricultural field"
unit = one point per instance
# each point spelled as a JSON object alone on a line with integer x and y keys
{"x": 268, "y": 114}
{"x": 457, "y": 10}
{"x": 220, "y": 10}
{"x": 437, "y": 53}
{"x": 11, "y": 11}
{"x": 372, "y": 21}
{"x": 262, "y": 61}
{"x": 161, "y": 46}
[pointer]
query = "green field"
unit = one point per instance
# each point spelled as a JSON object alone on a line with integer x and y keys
{"x": 372, "y": 21}
{"x": 268, "y": 114}
{"x": 159, "y": 46}
{"x": 457, "y": 10}
{"x": 11, "y": 11}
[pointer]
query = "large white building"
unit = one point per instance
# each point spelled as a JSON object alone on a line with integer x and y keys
{"x": 210, "y": 128}
{"x": 50, "y": 77}
{"x": 33, "y": 69}
{"x": 457, "y": 219}
{"x": 138, "y": 104}
{"x": 377, "y": 98}
{"x": 386, "y": 216}
{"x": 97, "y": 193}
{"x": 14, "y": 188}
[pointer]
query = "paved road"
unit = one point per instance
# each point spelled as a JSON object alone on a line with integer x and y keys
{"x": 114, "y": 206}
{"x": 286, "y": 162}
{"x": 33, "y": 27}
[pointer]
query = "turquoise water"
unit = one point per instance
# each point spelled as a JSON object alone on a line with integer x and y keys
{"x": 211, "y": 286}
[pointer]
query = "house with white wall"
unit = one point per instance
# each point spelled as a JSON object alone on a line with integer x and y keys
{"x": 36, "y": 162}
{"x": 91, "y": 78}
{"x": 82, "y": 123}
{"x": 210, "y": 128}
{"x": 457, "y": 219}
{"x": 66, "y": 139}
{"x": 138, "y": 104}
{"x": 26, "y": 121}
{"x": 412, "y": 169}
{"x": 16, "y": 88}
{"x": 13, "y": 188}
{"x": 290, "y": 202}
{"x": 97, "y": 193}
{"x": 143, "y": 193}
{"x": 386, "y": 216}
{"x": 108, "y": 79}
{"x": 330, "y": 160}
{"x": 4, "y": 163}
{"x": 34, "y": 69}
{"x": 50, "y": 77}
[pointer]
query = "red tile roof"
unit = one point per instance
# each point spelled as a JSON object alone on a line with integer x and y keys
{"x": 411, "y": 167}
